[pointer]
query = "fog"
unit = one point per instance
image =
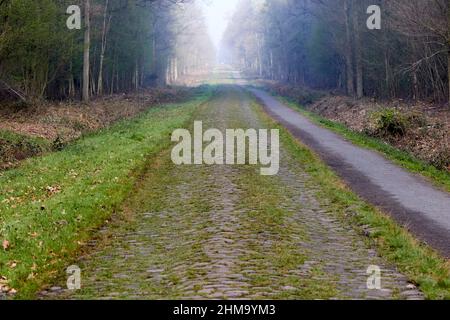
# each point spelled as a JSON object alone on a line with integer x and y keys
{"x": 217, "y": 14}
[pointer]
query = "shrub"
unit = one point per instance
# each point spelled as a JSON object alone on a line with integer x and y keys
{"x": 58, "y": 144}
{"x": 390, "y": 122}
{"x": 15, "y": 147}
{"x": 416, "y": 119}
{"x": 441, "y": 159}
{"x": 301, "y": 95}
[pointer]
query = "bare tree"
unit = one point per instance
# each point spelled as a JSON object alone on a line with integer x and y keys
{"x": 106, "y": 23}
{"x": 86, "y": 49}
{"x": 426, "y": 24}
{"x": 349, "y": 52}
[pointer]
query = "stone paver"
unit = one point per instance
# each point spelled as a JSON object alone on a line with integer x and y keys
{"x": 225, "y": 232}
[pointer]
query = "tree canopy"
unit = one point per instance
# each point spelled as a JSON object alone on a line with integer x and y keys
{"x": 130, "y": 44}
{"x": 326, "y": 44}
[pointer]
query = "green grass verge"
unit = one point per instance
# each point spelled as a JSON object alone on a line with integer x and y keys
{"x": 422, "y": 265}
{"x": 439, "y": 178}
{"x": 52, "y": 204}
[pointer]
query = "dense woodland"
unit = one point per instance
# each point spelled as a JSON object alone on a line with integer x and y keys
{"x": 326, "y": 44}
{"x": 122, "y": 45}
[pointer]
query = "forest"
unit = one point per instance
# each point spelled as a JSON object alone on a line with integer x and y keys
{"x": 136, "y": 162}
{"x": 122, "y": 46}
{"x": 325, "y": 44}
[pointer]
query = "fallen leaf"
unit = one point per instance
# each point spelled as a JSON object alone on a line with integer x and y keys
{"x": 3, "y": 284}
{"x": 5, "y": 244}
{"x": 53, "y": 189}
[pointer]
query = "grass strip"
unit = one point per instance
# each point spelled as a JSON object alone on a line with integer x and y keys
{"x": 51, "y": 205}
{"x": 421, "y": 264}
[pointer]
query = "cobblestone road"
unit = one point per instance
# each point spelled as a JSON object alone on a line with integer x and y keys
{"x": 213, "y": 232}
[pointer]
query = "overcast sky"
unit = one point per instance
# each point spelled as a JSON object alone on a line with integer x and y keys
{"x": 217, "y": 13}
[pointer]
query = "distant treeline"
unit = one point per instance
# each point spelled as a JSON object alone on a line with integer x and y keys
{"x": 326, "y": 44}
{"x": 122, "y": 45}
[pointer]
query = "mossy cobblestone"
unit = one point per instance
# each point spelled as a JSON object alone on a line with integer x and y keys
{"x": 225, "y": 232}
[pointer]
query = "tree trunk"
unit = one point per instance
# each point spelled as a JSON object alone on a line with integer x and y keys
{"x": 87, "y": 45}
{"x": 272, "y": 72}
{"x": 111, "y": 89}
{"x": 448, "y": 71}
{"x": 71, "y": 87}
{"x": 358, "y": 51}
{"x": 448, "y": 51}
{"x": 387, "y": 78}
{"x": 154, "y": 67}
{"x": 348, "y": 50}
{"x": 415, "y": 86}
{"x": 102, "y": 53}
{"x": 136, "y": 76}
{"x": 175, "y": 69}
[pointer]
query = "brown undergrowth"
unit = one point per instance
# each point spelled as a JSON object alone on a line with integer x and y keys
{"x": 27, "y": 131}
{"x": 419, "y": 128}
